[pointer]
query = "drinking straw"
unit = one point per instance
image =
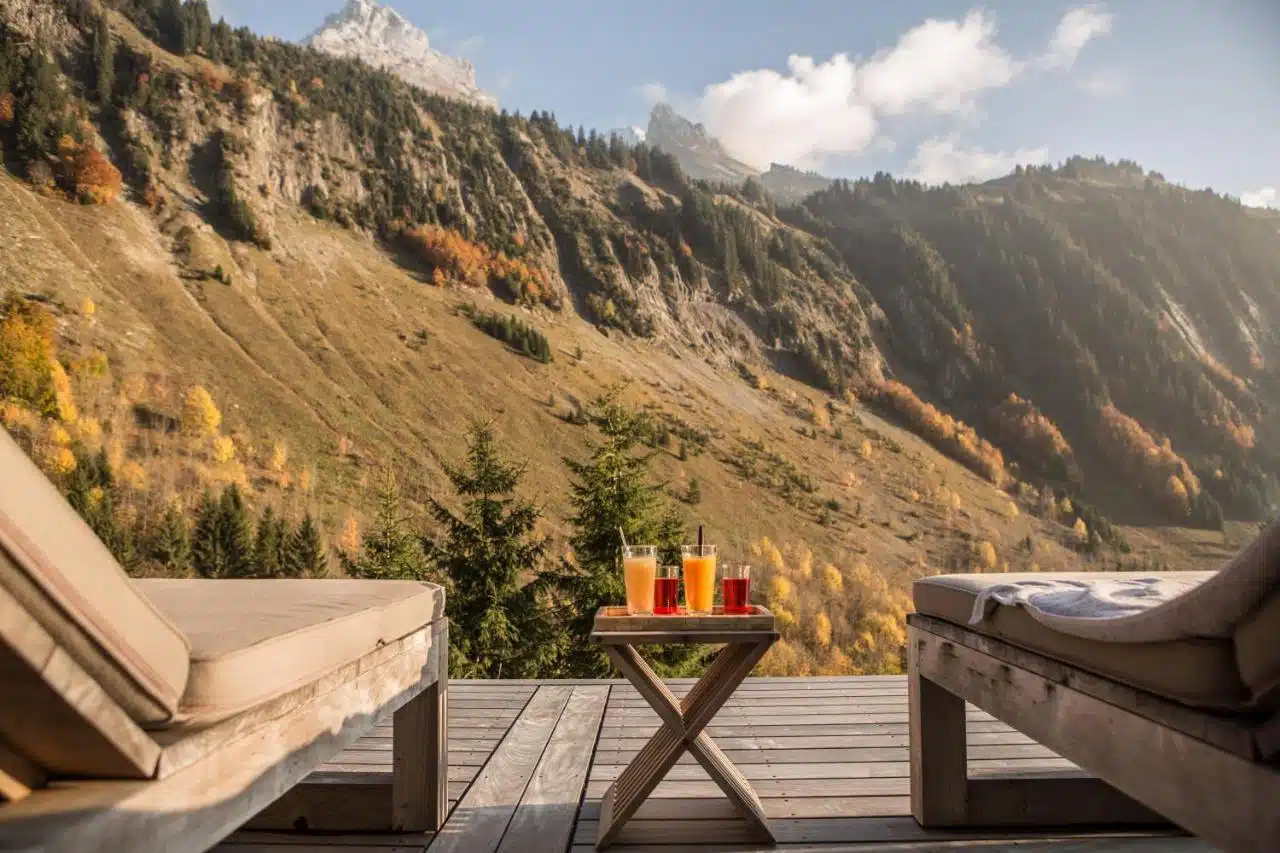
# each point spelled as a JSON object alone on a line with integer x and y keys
{"x": 699, "y": 538}
{"x": 624, "y": 538}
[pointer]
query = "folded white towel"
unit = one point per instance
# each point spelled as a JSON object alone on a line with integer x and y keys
{"x": 1076, "y": 607}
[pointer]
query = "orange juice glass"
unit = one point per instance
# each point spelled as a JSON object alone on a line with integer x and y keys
{"x": 639, "y": 566}
{"x": 699, "y": 578}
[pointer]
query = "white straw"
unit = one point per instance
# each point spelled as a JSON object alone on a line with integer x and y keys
{"x": 624, "y": 539}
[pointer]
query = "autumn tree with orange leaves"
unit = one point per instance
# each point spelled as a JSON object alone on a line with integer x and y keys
{"x": 1035, "y": 440}
{"x": 952, "y": 436}
{"x": 1155, "y": 468}
{"x": 453, "y": 259}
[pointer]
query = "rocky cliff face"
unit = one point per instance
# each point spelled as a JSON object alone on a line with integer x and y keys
{"x": 699, "y": 154}
{"x": 383, "y": 38}
{"x": 702, "y": 156}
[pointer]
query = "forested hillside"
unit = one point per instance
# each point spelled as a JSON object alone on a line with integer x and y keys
{"x": 254, "y": 296}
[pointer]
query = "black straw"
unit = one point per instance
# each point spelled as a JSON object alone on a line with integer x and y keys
{"x": 699, "y": 538}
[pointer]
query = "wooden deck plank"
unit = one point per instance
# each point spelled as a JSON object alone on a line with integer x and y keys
{"x": 544, "y": 819}
{"x": 1123, "y": 844}
{"x": 852, "y": 798}
{"x": 842, "y": 830}
{"x": 481, "y": 817}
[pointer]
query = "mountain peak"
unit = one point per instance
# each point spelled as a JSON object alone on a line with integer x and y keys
{"x": 384, "y": 38}
{"x": 699, "y": 153}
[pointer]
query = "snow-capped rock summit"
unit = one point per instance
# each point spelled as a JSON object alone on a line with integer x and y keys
{"x": 383, "y": 38}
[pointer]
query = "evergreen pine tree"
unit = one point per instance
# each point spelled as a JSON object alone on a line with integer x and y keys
{"x": 497, "y": 627}
{"x": 237, "y": 533}
{"x": 611, "y": 490}
{"x": 269, "y": 545}
{"x": 170, "y": 544}
{"x": 91, "y": 491}
{"x": 171, "y": 25}
{"x": 694, "y": 496}
{"x": 104, "y": 60}
{"x": 205, "y": 555}
{"x": 305, "y": 556}
{"x": 389, "y": 549}
{"x": 222, "y": 545}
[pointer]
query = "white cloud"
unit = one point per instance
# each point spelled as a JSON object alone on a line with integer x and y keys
{"x": 1079, "y": 26}
{"x": 939, "y": 66}
{"x": 762, "y": 117}
{"x": 1106, "y": 83}
{"x": 816, "y": 109}
{"x": 1263, "y": 197}
{"x": 941, "y": 161}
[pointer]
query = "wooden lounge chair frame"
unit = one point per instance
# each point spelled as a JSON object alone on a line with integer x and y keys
{"x": 1151, "y": 757}
{"x": 211, "y": 781}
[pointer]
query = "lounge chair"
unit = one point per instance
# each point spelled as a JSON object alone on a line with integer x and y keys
{"x": 1165, "y": 687}
{"x": 164, "y": 714}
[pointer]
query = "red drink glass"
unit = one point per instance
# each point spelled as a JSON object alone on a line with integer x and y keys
{"x": 736, "y": 588}
{"x": 666, "y": 591}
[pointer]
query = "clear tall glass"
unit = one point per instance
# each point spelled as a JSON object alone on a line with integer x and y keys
{"x": 699, "y": 578}
{"x": 639, "y": 566}
{"x": 735, "y": 582}
{"x": 666, "y": 591}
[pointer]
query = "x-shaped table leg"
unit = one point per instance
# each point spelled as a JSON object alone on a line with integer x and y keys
{"x": 683, "y": 724}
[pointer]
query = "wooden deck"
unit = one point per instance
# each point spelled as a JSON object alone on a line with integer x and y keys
{"x": 530, "y": 761}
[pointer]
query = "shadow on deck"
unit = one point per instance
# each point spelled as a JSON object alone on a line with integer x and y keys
{"x": 530, "y": 762}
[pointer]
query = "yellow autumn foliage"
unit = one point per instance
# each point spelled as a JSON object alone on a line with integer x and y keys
{"x": 59, "y": 460}
{"x": 832, "y": 580}
{"x": 349, "y": 539}
{"x": 224, "y": 449}
{"x": 780, "y": 590}
{"x": 200, "y": 416}
{"x": 279, "y": 457}
{"x": 133, "y": 476}
{"x": 985, "y": 555}
{"x": 822, "y": 629}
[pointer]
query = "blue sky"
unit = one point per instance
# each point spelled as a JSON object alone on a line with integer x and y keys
{"x": 937, "y": 90}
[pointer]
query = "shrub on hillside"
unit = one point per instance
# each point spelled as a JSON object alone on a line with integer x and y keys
{"x": 27, "y": 356}
{"x": 89, "y": 176}
{"x": 452, "y": 258}
{"x": 523, "y": 337}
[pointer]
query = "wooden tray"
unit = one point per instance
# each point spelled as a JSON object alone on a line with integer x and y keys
{"x": 615, "y": 619}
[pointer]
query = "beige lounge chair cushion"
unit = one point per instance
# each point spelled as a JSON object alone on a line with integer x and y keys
{"x": 1195, "y": 671}
{"x": 65, "y": 578}
{"x": 253, "y": 640}
{"x": 1258, "y": 652}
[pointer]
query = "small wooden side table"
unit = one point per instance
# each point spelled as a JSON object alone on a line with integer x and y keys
{"x": 746, "y": 639}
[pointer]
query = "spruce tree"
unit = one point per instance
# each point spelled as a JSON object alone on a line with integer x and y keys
{"x": 611, "y": 490}
{"x": 222, "y": 546}
{"x": 237, "y": 533}
{"x": 104, "y": 60}
{"x": 389, "y": 549}
{"x": 170, "y": 545}
{"x": 305, "y": 556}
{"x": 497, "y": 627}
{"x": 268, "y": 546}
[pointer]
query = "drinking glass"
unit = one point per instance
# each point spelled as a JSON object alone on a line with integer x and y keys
{"x": 639, "y": 565}
{"x": 735, "y": 583}
{"x": 666, "y": 591}
{"x": 699, "y": 578}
